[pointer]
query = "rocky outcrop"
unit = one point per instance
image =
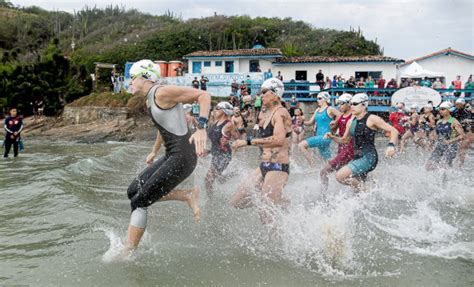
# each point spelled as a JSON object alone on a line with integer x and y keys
{"x": 87, "y": 114}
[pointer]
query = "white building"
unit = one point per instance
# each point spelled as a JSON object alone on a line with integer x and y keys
{"x": 305, "y": 68}
{"x": 448, "y": 61}
{"x": 232, "y": 61}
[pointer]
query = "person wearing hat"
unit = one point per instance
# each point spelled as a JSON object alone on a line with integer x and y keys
{"x": 450, "y": 133}
{"x": 220, "y": 134}
{"x": 272, "y": 175}
{"x": 464, "y": 116}
{"x": 362, "y": 129}
{"x": 345, "y": 151}
{"x": 412, "y": 130}
{"x": 323, "y": 116}
{"x": 159, "y": 180}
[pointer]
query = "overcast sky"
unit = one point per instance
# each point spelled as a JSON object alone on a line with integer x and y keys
{"x": 405, "y": 29}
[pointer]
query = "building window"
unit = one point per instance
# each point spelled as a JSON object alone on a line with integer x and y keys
{"x": 254, "y": 65}
{"x": 229, "y": 66}
{"x": 301, "y": 75}
{"x": 374, "y": 74}
{"x": 218, "y": 63}
{"x": 196, "y": 67}
{"x": 207, "y": 63}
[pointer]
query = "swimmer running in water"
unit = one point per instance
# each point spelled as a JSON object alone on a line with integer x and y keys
{"x": 220, "y": 135}
{"x": 362, "y": 129}
{"x": 464, "y": 116}
{"x": 345, "y": 151}
{"x": 159, "y": 180}
{"x": 272, "y": 175}
{"x": 413, "y": 129}
{"x": 449, "y": 133}
{"x": 323, "y": 117}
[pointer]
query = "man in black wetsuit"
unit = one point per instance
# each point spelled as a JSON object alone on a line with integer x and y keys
{"x": 159, "y": 180}
{"x": 13, "y": 126}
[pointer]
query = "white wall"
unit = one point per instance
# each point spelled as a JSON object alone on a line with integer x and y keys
{"x": 241, "y": 65}
{"x": 451, "y": 65}
{"x": 389, "y": 70}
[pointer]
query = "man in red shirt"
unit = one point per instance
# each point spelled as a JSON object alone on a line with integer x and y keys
{"x": 398, "y": 118}
{"x": 457, "y": 85}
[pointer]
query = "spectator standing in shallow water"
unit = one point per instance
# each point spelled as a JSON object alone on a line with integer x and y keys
{"x": 203, "y": 82}
{"x": 13, "y": 126}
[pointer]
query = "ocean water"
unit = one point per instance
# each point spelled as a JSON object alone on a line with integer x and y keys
{"x": 64, "y": 213}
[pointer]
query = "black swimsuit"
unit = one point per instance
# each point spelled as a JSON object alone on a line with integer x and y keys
{"x": 265, "y": 167}
{"x": 175, "y": 166}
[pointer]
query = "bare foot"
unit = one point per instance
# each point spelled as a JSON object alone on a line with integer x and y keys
{"x": 193, "y": 202}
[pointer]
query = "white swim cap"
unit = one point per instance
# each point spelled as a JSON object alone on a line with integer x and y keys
{"x": 360, "y": 98}
{"x": 446, "y": 105}
{"x": 146, "y": 69}
{"x": 226, "y": 107}
{"x": 324, "y": 96}
{"x": 414, "y": 106}
{"x": 344, "y": 99}
{"x": 461, "y": 101}
{"x": 274, "y": 85}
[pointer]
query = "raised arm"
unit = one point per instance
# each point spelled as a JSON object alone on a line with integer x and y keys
{"x": 346, "y": 138}
{"x": 169, "y": 96}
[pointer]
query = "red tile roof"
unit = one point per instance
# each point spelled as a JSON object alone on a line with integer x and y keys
{"x": 445, "y": 51}
{"x": 240, "y": 52}
{"x": 336, "y": 59}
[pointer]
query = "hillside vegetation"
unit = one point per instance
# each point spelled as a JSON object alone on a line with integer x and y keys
{"x": 37, "y": 60}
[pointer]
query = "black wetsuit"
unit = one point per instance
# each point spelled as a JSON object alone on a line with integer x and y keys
{"x": 175, "y": 166}
{"x": 272, "y": 166}
{"x": 12, "y": 125}
{"x": 444, "y": 152}
{"x": 221, "y": 154}
{"x": 365, "y": 154}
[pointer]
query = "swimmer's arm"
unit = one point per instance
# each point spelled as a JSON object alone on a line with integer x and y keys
{"x": 459, "y": 131}
{"x": 279, "y": 134}
{"x": 334, "y": 113}
{"x": 157, "y": 145}
{"x": 172, "y": 95}
{"x": 346, "y": 138}
{"x": 432, "y": 121}
{"x": 379, "y": 123}
{"x": 310, "y": 122}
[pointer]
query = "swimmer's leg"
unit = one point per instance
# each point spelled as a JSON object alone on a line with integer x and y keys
{"x": 304, "y": 148}
{"x": 190, "y": 196}
{"x": 344, "y": 176}
{"x": 272, "y": 190}
{"x": 242, "y": 198}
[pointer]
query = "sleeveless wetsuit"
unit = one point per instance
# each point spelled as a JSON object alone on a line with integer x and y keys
{"x": 322, "y": 122}
{"x": 175, "y": 166}
{"x": 365, "y": 154}
{"x": 444, "y": 152}
{"x": 272, "y": 166}
{"x": 345, "y": 152}
{"x": 221, "y": 154}
{"x": 425, "y": 126}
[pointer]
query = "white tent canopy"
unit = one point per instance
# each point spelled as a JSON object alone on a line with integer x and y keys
{"x": 414, "y": 70}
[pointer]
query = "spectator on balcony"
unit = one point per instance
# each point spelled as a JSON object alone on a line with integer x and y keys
{"x": 328, "y": 83}
{"x": 437, "y": 84}
{"x": 361, "y": 83}
{"x": 258, "y": 69}
{"x": 320, "y": 79}
{"x": 334, "y": 82}
{"x": 370, "y": 83}
{"x": 381, "y": 83}
{"x": 234, "y": 87}
{"x": 404, "y": 83}
{"x": 195, "y": 83}
{"x": 392, "y": 84}
{"x": 457, "y": 85}
{"x": 279, "y": 76}
{"x": 340, "y": 82}
{"x": 468, "y": 85}
{"x": 426, "y": 83}
{"x": 203, "y": 82}
{"x": 248, "y": 83}
{"x": 351, "y": 83}
{"x": 268, "y": 74}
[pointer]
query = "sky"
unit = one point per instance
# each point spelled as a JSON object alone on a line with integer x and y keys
{"x": 404, "y": 29}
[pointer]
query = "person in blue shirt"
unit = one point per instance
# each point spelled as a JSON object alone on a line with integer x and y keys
{"x": 13, "y": 125}
{"x": 268, "y": 74}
